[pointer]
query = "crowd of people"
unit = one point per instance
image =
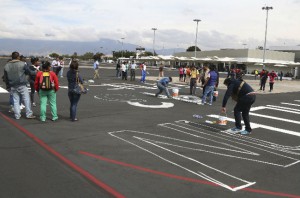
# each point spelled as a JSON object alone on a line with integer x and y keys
{"x": 42, "y": 77}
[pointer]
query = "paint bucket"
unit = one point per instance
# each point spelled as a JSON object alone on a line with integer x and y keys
{"x": 222, "y": 119}
{"x": 175, "y": 92}
{"x": 216, "y": 93}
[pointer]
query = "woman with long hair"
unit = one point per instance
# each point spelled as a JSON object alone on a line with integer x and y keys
{"x": 73, "y": 78}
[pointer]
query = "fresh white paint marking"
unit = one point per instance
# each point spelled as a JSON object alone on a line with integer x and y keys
{"x": 275, "y": 118}
{"x": 291, "y": 104}
{"x": 255, "y": 125}
{"x": 164, "y": 105}
{"x": 137, "y": 141}
{"x": 3, "y": 90}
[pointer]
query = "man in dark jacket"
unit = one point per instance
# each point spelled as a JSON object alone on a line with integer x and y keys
{"x": 15, "y": 73}
{"x": 243, "y": 93}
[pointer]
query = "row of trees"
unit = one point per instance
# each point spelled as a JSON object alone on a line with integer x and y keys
{"x": 115, "y": 55}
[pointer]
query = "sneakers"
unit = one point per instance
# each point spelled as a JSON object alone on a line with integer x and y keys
{"x": 245, "y": 132}
{"x": 22, "y": 106}
{"x": 11, "y": 109}
{"x": 33, "y": 104}
{"x": 235, "y": 130}
{"x": 31, "y": 117}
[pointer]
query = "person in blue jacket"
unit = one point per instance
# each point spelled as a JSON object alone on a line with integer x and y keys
{"x": 162, "y": 85}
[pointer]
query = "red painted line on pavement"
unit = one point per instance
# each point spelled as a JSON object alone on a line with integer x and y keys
{"x": 68, "y": 162}
{"x": 279, "y": 194}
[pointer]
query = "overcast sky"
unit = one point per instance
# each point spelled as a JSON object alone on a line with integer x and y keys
{"x": 224, "y": 23}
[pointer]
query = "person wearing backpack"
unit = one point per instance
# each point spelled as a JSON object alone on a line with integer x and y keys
{"x": 46, "y": 84}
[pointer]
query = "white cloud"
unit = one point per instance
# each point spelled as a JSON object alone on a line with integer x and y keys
{"x": 227, "y": 23}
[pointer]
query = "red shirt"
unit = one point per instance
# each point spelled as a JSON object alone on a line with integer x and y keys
{"x": 272, "y": 77}
{"x": 52, "y": 76}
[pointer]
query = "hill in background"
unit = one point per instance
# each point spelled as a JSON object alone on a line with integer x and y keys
{"x": 45, "y": 47}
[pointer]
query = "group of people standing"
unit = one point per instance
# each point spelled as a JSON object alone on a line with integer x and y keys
{"x": 123, "y": 69}
{"x": 264, "y": 76}
{"x": 43, "y": 79}
{"x": 237, "y": 88}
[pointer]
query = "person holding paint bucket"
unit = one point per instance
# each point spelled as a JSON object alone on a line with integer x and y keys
{"x": 243, "y": 94}
{"x": 162, "y": 85}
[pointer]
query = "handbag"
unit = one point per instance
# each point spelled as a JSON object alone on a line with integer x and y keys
{"x": 79, "y": 88}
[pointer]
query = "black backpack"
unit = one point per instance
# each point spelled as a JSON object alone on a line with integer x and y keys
{"x": 46, "y": 81}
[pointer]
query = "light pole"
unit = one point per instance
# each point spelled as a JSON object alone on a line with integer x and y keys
{"x": 267, "y": 9}
{"x": 244, "y": 44}
{"x": 122, "y": 46}
{"x": 154, "y": 29}
{"x": 197, "y": 20}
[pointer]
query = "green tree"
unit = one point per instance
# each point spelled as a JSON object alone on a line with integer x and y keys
{"x": 87, "y": 55}
{"x": 53, "y": 55}
{"x": 192, "y": 49}
{"x": 126, "y": 54}
{"x": 147, "y": 53}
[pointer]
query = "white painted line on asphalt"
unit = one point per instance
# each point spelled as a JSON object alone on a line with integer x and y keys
{"x": 164, "y": 105}
{"x": 291, "y": 104}
{"x": 266, "y": 144}
{"x": 3, "y": 90}
{"x": 255, "y": 125}
{"x": 280, "y": 107}
{"x": 297, "y": 100}
{"x": 257, "y": 108}
{"x": 229, "y": 140}
{"x": 184, "y": 98}
{"x": 204, "y": 167}
{"x": 275, "y": 118}
{"x": 276, "y": 108}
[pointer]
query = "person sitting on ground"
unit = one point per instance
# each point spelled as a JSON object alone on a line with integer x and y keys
{"x": 162, "y": 85}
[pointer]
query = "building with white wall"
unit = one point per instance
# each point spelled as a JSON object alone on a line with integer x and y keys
{"x": 249, "y": 59}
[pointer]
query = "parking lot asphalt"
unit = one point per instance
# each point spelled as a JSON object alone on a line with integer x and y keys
{"x": 128, "y": 143}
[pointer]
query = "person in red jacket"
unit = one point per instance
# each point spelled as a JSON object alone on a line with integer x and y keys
{"x": 46, "y": 84}
{"x": 272, "y": 77}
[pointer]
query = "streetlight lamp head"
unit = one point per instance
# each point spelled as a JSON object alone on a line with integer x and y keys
{"x": 267, "y": 8}
{"x": 154, "y": 29}
{"x": 197, "y": 20}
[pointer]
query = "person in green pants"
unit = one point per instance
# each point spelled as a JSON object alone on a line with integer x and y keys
{"x": 46, "y": 84}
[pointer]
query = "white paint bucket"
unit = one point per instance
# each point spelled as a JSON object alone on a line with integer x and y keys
{"x": 216, "y": 93}
{"x": 175, "y": 91}
{"x": 222, "y": 120}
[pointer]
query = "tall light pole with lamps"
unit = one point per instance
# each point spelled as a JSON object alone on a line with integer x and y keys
{"x": 122, "y": 46}
{"x": 196, "y": 20}
{"x": 154, "y": 29}
{"x": 267, "y": 9}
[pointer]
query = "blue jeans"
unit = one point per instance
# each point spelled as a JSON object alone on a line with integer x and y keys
{"x": 74, "y": 99}
{"x": 23, "y": 92}
{"x": 161, "y": 89}
{"x": 143, "y": 79}
{"x": 209, "y": 91}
